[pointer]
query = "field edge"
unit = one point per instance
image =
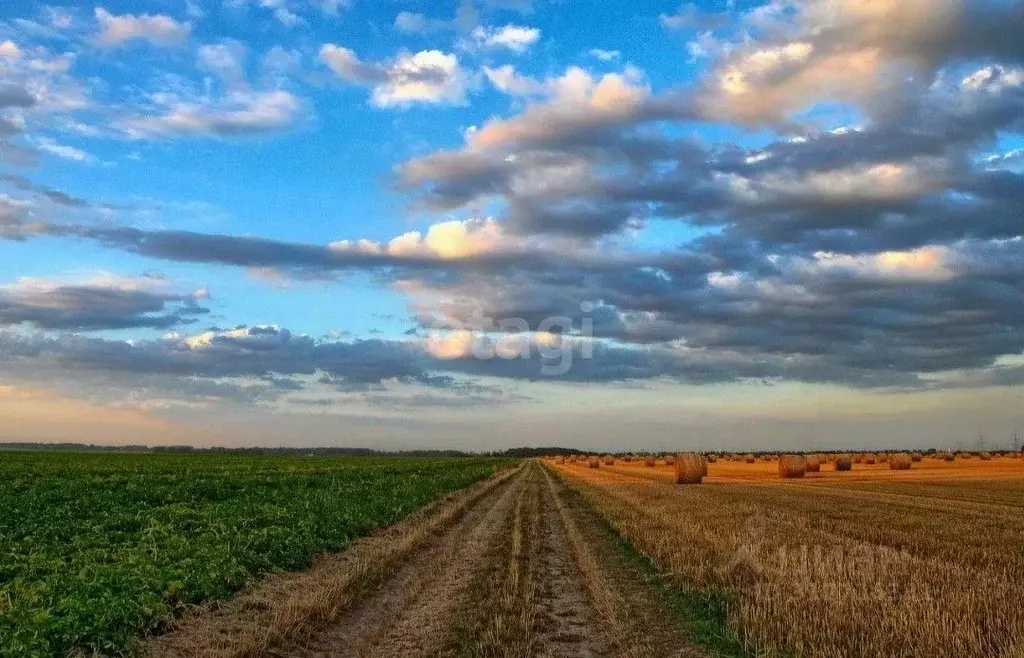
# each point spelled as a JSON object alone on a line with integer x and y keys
{"x": 702, "y": 613}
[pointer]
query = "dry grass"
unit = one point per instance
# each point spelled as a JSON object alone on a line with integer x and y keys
{"x": 868, "y": 562}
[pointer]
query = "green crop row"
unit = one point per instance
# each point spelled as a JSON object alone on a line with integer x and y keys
{"x": 99, "y": 549}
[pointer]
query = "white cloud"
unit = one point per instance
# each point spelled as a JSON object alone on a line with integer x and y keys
{"x": 449, "y": 240}
{"x": 278, "y": 64}
{"x": 993, "y": 79}
{"x": 415, "y": 23}
{"x": 226, "y": 60}
{"x": 576, "y": 99}
{"x": 604, "y": 55}
{"x": 574, "y": 87}
{"x": 157, "y": 29}
{"x": 331, "y": 7}
{"x": 515, "y": 38}
{"x": 931, "y": 263}
{"x": 9, "y": 49}
{"x": 348, "y": 66}
{"x": 239, "y": 114}
{"x": 281, "y": 9}
{"x": 875, "y": 183}
{"x": 686, "y": 16}
{"x": 33, "y": 78}
{"x": 194, "y": 10}
{"x": 64, "y": 151}
{"x": 429, "y": 76}
{"x": 508, "y": 81}
{"x": 59, "y": 18}
{"x": 30, "y": 287}
{"x": 259, "y": 337}
{"x": 289, "y": 12}
{"x": 452, "y": 345}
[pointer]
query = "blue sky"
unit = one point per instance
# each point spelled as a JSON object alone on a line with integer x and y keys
{"x": 259, "y": 211}
{"x": 339, "y": 155}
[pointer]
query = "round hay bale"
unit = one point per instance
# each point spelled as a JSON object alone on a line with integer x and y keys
{"x": 844, "y": 463}
{"x": 948, "y": 456}
{"x": 916, "y": 457}
{"x": 670, "y": 459}
{"x": 870, "y": 458}
{"x": 900, "y": 461}
{"x": 985, "y": 457}
{"x": 649, "y": 460}
{"x": 750, "y": 459}
{"x": 609, "y": 460}
{"x": 712, "y": 458}
{"x": 690, "y": 468}
{"x": 814, "y": 463}
{"x": 627, "y": 458}
{"x": 594, "y": 462}
{"x": 792, "y": 466}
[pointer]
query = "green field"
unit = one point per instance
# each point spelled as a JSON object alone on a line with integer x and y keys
{"x": 98, "y": 549}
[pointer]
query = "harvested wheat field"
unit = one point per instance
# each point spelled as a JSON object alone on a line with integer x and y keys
{"x": 874, "y": 561}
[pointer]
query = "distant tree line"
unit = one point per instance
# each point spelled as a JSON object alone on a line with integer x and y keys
{"x": 186, "y": 449}
{"x": 279, "y": 450}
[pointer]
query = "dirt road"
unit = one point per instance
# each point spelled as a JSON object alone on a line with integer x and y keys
{"x": 513, "y": 567}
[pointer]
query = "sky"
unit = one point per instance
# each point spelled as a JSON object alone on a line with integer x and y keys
{"x": 481, "y": 224}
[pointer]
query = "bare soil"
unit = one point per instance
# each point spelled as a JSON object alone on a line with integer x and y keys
{"x": 511, "y": 567}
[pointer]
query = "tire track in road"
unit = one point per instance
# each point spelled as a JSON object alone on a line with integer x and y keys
{"x": 567, "y": 623}
{"x": 412, "y": 612}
